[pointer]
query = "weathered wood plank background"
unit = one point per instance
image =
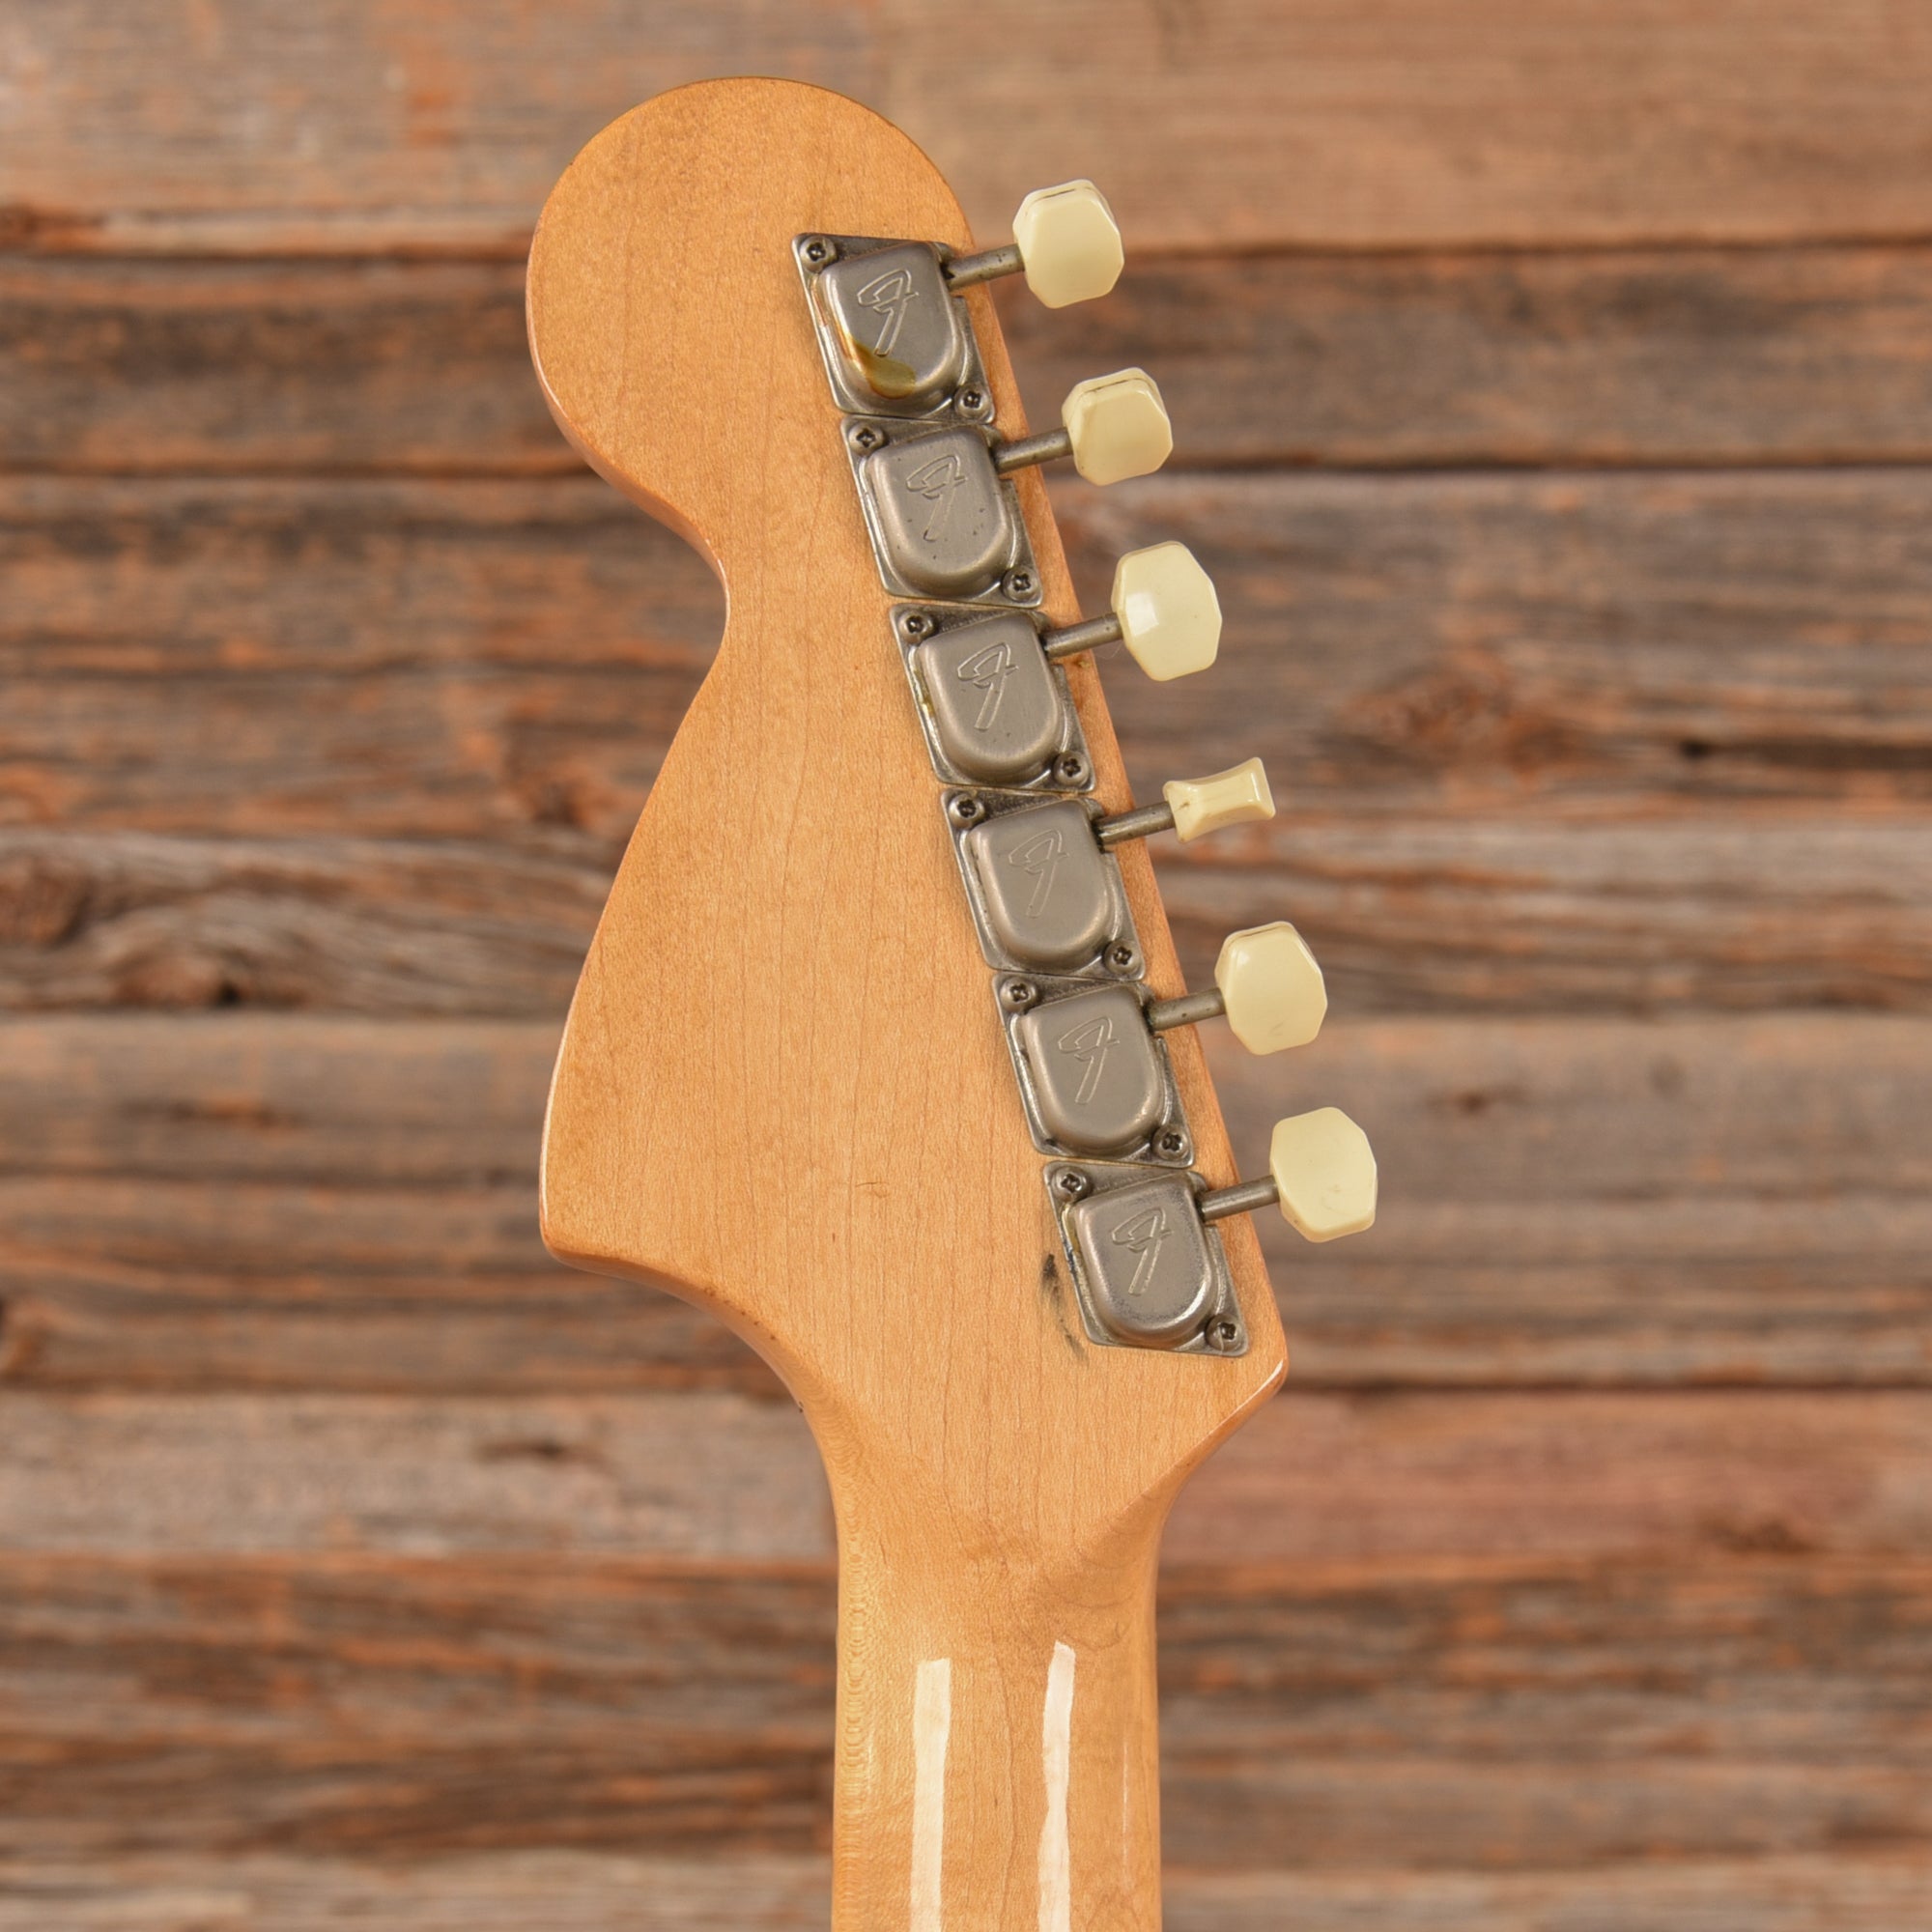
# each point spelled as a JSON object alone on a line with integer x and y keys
{"x": 1553, "y": 387}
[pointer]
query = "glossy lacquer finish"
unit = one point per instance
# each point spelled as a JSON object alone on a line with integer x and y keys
{"x": 784, "y": 1090}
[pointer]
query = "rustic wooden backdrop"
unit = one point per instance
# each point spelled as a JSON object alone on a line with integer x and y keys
{"x": 1553, "y": 386}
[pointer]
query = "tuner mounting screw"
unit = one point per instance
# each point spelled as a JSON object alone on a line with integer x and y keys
{"x": 1171, "y": 1143}
{"x": 1072, "y": 769}
{"x": 1070, "y": 1183}
{"x": 1123, "y": 959}
{"x": 1019, "y": 994}
{"x": 917, "y": 624}
{"x": 819, "y": 251}
{"x": 1220, "y": 1334}
{"x": 972, "y": 401}
{"x": 1018, "y": 585}
{"x": 866, "y": 436}
{"x": 966, "y": 810}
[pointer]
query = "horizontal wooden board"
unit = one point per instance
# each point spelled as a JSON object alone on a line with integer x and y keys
{"x": 445, "y": 659}
{"x": 1319, "y": 1718}
{"x": 1386, "y": 124}
{"x": 1419, "y": 1476}
{"x": 1546, "y": 645}
{"x": 1462, "y": 641}
{"x": 1546, "y": 743}
{"x": 1317, "y": 1477}
{"x": 1523, "y": 915}
{"x": 1674, "y": 356}
{"x": 244, "y": 1474}
{"x": 272, "y": 366}
{"x": 368, "y": 926}
{"x": 1518, "y": 915}
{"x": 1666, "y": 356}
{"x": 589, "y": 1891}
{"x": 254, "y": 1201}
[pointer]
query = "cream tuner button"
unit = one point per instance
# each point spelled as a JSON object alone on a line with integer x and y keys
{"x": 1196, "y": 807}
{"x": 1325, "y": 1172}
{"x": 1164, "y": 608}
{"x": 1271, "y": 989}
{"x": 1070, "y": 242}
{"x": 1321, "y": 1173}
{"x": 1170, "y": 617}
{"x": 1266, "y": 984}
{"x": 1111, "y": 426}
{"x": 1232, "y": 797}
{"x": 1117, "y": 426}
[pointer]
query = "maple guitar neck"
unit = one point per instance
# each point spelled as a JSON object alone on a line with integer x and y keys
{"x": 998, "y": 1760}
{"x": 792, "y": 1086}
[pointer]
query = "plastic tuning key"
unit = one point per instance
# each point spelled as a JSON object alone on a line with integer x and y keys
{"x": 1196, "y": 807}
{"x": 1164, "y": 610}
{"x": 1321, "y": 1173}
{"x": 1112, "y": 427}
{"x": 1266, "y": 984}
{"x": 1065, "y": 242}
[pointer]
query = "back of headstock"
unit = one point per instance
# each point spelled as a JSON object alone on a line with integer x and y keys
{"x": 843, "y": 1064}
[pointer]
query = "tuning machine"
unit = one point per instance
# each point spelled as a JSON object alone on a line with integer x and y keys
{"x": 897, "y": 340}
{"x": 1163, "y": 608}
{"x": 942, "y": 513}
{"x": 994, "y": 705}
{"x": 1147, "y": 1259}
{"x": 1065, "y": 242}
{"x": 1321, "y": 1175}
{"x": 1046, "y": 896}
{"x": 1093, "y": 1075}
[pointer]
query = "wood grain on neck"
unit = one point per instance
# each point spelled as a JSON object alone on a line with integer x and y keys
{"x": 784, "y": 1090}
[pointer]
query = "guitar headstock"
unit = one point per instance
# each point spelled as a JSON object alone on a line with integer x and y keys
{"x": 881, "y": 1050}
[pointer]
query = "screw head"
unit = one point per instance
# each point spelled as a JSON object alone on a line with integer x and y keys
{"x": 819, "y": 251}
{"x": 1018, "y": 586}
{"x": 1070, "y": 1183}
{"x": 866, "y": 436}
{"x": 966, "y": 810}
{"x": 1072, "y": 770}
{"x": 1123, "y": 959}
{"x": 1218, "y": 1332}
{"x": 917, "y": 624}
{"x": 1019, "y": 994}
{"x": 1171, "y": 1143}
{"x": 973, "y": 400}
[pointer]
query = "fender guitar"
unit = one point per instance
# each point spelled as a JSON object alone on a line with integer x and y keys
{"x": 881, "y": 1051}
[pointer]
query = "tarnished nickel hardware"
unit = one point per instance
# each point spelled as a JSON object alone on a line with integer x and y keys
{"x": 900, "y": 356}
{"x": 899, "y": 352}
{"x": 1149, "y": 1273}
{"x": 895, "y": 338}
{"x": 995, "y": 711}
{"x": 1095, "y": 1079}
{"x": 1045, "y": 895}
{"x": 900, "y": 334}
{"x": 944, "y": 522}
